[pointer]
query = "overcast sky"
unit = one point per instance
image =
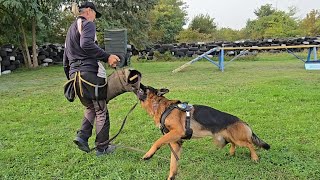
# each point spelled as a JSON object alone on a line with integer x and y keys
{"x": 234, "y": 13}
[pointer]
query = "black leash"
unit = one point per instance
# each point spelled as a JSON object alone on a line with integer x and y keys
{"x": 124, "y": 121}
{"x": 173, "y": 152}
{"x": 139, "y": 150}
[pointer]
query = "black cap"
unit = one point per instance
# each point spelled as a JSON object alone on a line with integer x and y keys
{"x": 90, "y": 5}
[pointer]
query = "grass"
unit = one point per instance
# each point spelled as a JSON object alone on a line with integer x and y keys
{"x": 272, "y": 93}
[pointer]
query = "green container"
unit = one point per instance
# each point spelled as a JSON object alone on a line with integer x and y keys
{"x": 116, "y": 43}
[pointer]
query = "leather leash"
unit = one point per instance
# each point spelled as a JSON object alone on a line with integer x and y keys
{"x": 124, "y": 121}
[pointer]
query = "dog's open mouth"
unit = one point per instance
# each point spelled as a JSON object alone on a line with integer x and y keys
{"x": 141, "y": 93}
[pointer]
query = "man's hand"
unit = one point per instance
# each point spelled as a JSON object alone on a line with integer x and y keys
{"x": 113, "y": 60}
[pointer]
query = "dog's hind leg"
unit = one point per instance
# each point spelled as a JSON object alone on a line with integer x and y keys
{"x": 253, "y": 153}
{"x": 176, "y": 147}
{"x": 240, "y": 135}
{"x": 232, "y": 149}
{"x": 172, "y": 136}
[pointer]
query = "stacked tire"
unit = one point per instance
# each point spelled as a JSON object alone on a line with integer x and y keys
{"x": 10, "y": 58}
{"x": 50, "y": 54}
{"x": 194, "y": 49}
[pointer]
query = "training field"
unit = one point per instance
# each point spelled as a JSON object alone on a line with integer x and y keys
{"x": 274, "y": 94}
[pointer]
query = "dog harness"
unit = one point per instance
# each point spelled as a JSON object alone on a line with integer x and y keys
{"x": 182, "y": 107}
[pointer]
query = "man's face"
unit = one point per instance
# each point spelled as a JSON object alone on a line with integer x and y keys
{"x": 91, "y": 14}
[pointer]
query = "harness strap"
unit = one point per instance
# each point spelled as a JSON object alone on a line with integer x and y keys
{"x": 164, "y": 115}
{"x": 189, "y": 131}
{"x": 182, "y": 107}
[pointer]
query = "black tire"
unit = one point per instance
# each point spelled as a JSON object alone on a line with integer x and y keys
{"x": 167, "y": 47}
{"x": 41, "y": 57}
{"x": 193, "y": 48}
{"x": 151, "y": 52}
{"x": 44, "y": 53}
{"x": 5, "y": 63}
{"x": 16, "y": 62}
{"x": 53, "y": 54}
{"x": 184, "y": 50}
{"x": 161, "y": 50}
{"x": 12, "y": 67}
{"x": 190, "y": 53}
{"x": 3, "y": 53}
{"x": 180, "y": 54}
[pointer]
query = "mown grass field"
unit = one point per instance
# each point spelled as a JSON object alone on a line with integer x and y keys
{"x": 274, "y": 94}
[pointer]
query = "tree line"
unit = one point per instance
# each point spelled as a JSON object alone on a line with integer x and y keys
{"x": 29, "y": 23}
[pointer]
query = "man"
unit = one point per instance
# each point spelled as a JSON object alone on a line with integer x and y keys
{"x": 81, "y": 58}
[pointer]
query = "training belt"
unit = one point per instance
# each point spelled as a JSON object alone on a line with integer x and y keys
{"x": 182, "y": 107}
{"x": 80, "y": 81}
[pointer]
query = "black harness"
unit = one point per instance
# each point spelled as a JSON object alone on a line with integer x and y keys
{"x": 182, "y": 107}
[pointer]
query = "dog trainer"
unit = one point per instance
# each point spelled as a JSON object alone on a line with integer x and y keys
{"x": 81, "y": 63}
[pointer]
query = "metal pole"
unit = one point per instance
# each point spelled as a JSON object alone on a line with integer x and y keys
{"x": 309, "y": 54}
{"x": 315, "y": 53}
{"x": 221, "y": 60}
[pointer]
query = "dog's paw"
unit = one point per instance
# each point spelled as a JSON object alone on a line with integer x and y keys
{"x": 147, "y": 156}
{"x": 256, "y": 160}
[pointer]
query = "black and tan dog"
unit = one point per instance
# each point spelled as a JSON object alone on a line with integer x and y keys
{"x": 204, "y": 121}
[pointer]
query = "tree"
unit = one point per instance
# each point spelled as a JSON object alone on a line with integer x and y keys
{"x": 191, "y": 36}
{"x": 56, "y": 30}
{"x": 167, "y": 20}
{"x": 227, "y": 34}
{"x": 25, "y": 16}
{"x": 264, "y": 10}
{"x": 203, "y": 23}
{"x": 311, "y": 23}
{"x": 272, "y": 24}
{"x": 130, "y": 14}
{"x": 14, "y": 17}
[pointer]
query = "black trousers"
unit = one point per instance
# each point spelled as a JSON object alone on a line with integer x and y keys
{"x": 95, "y": 112}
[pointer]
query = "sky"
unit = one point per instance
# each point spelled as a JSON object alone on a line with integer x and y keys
{"x": 235, "y": 13}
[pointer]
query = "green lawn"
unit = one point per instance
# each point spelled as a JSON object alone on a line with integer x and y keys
{"x": 274, "y": 94}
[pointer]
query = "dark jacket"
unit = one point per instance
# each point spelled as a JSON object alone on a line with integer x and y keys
{"x": 81, "y": 53}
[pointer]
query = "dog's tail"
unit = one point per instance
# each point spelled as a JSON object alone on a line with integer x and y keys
{"x": 258, "y": 142}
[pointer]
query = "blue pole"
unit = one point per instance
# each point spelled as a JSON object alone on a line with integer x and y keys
{"x": 221, "y": 60}
{"x": 309, "y": 54}
{"x": 315, "y": 53}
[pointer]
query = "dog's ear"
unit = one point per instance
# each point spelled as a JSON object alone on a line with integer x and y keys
{"x": 162, "y": 91}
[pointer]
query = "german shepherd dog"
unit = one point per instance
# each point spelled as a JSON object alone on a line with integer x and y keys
{"x": 205, "y": 121}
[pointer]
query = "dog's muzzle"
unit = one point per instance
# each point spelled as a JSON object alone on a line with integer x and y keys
{"x": 141, "y": 93}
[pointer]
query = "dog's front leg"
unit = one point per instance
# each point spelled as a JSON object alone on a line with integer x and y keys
{"x": 172, "y": 136}
{"x": 176, "y": 147}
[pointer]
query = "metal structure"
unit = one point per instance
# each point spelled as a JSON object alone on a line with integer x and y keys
{"x": 309, "y": 63}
